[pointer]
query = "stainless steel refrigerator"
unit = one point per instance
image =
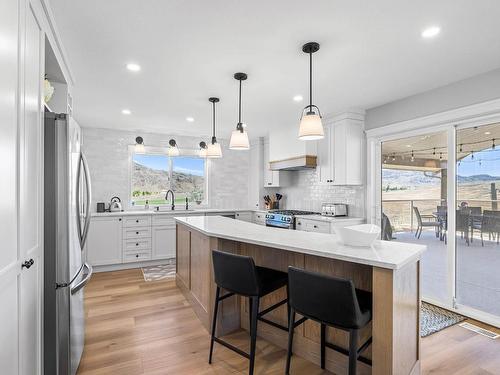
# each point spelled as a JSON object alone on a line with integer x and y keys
{"x": 67, "y": 200}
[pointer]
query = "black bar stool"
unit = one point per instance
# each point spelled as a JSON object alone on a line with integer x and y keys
{"x": 239, "y": 275}
{"x": 332, "y": 302}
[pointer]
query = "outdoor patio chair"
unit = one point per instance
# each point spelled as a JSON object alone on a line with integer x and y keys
{"x": 490, "y": 224}
{"x": 462, "y": 224}
{"x": 432, "y": 222}
{"x": 475, "y": 220}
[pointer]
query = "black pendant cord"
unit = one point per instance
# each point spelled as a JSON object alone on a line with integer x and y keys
{"x": 240, "y": 125}
{"x": 310, "y": 81}
{"x": 214, "y": 139}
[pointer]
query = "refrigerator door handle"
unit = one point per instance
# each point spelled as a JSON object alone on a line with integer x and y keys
{"x": 83, "y": 233}
{"x": 85, "y": 279}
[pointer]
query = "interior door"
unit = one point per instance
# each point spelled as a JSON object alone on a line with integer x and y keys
{"x": 10, "y": 264}
{"x": 30, "y": 200}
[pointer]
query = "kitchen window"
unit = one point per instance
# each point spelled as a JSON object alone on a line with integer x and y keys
{"x": 152, "y": 174}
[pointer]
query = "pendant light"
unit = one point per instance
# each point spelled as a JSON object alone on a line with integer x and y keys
{"x": 173, "y": 150}
{"x": 214, "y": 150}
{"x": 239, "y": 137}
{"x": 139, "y": 145}
{"x": 203, "y": 150}
{"x": 310, "y": 127}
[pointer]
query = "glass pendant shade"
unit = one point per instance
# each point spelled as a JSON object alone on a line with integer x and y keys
{"x": 139, "y": 145}
{"x": 239, "y": 140}
{"x": 173, "y": 151}
{"x": 214, "y": 150}
{"x": 202, "y": 153}
{"x": 311, "y": 128}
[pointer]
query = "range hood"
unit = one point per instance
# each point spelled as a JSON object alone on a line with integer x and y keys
{"x": 288, "y": 153}
{"x": 294, "y": 163}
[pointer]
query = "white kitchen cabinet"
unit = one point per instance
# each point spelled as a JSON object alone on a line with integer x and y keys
{"x": 104, "y": 242}
{"x": 244, "y": 216}
{"x": 273, "y": 178}
{"x": 259, "y": 217}
{"x": 341, "y": 152}
{"x": 313, "y": 225}
{"x": 163, "y": 242}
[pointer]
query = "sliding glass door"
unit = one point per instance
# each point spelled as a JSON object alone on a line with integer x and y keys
{"x": 477, "y": 213}
{"x": 414, "y": 204}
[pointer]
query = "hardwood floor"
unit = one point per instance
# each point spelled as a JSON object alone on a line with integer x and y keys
{"x": 136, "y": 327}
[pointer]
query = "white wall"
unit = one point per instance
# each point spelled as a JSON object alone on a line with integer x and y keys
{"x": 470, "y": 91}
{"x": 107, "y": 155}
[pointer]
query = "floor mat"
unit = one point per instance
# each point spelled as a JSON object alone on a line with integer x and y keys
{"x": 433, "y": 319}
{"x": 160, "y": 272}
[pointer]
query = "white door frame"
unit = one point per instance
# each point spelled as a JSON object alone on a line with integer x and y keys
{"x": 449, "y": 121}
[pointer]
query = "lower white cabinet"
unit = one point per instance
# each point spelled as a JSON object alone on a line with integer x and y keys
{"x": 259, "y": 217}
{"x": 313, "y": 225}
{"x": 163, "y": 242}
{"x": 244, "y": 216}
{"x": 104, "y": 242}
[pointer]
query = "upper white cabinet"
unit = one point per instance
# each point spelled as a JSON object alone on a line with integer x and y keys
{"x": 341, "y": 152}
{"x": 273, "y": 178}
{"x": 104, "y": 242}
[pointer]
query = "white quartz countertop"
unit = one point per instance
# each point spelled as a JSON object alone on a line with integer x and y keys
{"x": 331, "y": 219}
{"x": 200, "y": 211}
{"x": 383, "y": 254}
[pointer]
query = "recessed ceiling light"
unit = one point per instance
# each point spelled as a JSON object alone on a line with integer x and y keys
{"x": 487, "y": 133}
{"x": 126, "y": 111}
{"x": 133, "y": 67}
{"x": 430, "y": 32}
{"x": 298, "y": 98}
{"x": 189, "y": 119}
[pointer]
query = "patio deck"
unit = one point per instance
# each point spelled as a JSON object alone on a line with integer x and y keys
{"x": 478, "y": 270}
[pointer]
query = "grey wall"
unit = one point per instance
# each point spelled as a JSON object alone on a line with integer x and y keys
{"x": 107, "y": 155}
{"x": 478, "y": 89}
{"x": 306, "y": 193}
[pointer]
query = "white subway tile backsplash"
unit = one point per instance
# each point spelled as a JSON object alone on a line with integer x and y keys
{"x": 306, "y": 193}
{"x": 107, "y": 155}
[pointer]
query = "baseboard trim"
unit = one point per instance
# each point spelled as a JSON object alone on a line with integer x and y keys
{"x": 127, "y": 266}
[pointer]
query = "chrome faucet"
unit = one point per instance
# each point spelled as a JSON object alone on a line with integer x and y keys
{"x": 173, "y": 199}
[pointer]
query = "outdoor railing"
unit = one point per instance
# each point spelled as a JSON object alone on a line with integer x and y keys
{"x": 402, "y": 217}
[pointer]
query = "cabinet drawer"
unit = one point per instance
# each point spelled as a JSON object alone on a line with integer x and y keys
{"x": 136, "y": 256}
{"x": 259, "y": 218}
{"x": 137, "y": 221}
{"x": 163, "y": 220}
{"x": 313, "y": 226}
{"x": 137, "y": 244}
{"x": 134, "y": 233}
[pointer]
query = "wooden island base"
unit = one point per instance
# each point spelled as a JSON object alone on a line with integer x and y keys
{"x": 396, "y": 300}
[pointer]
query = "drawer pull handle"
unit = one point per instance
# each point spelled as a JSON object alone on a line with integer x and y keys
{"x": 137, "y": 221}
{"x": 136, "y": 232}
{"x": 299, "y": 223}
{"x": 137, "y": 255}
{"x": 137, "y": 244}
{"x": 315, "y": 226}
{"x": 120, "y": 219}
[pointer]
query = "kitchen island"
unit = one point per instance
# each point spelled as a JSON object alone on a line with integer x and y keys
{"x": 390, "y": 270}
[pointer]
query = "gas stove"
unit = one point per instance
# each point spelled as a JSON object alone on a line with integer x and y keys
{"x": 284, "y": 218}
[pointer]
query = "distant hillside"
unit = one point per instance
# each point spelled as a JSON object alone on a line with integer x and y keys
{"x": 156, "y": 181}
{"x": 411, "y": 178}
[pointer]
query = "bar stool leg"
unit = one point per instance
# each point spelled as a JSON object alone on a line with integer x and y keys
{"x": 214, "y": 321}
{"x": 253, "y": 333}
{"x": 353, "y": 351}
{"x": 250, "y": 314}
{"x": 291, "y": 327}
{"x": 323, "y": 345}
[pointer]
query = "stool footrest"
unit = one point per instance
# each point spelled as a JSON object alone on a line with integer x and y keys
{"x": 346, "y": 352}
{"x": 232, "y": 347}
{"x": 274, "y": 324}
{"x": 268, "y": 310}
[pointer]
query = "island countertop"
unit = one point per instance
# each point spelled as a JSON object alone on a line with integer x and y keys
{"x": 383, "y": 254}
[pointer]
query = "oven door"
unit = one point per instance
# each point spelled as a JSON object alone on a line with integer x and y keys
{"x": 278, "y": 224}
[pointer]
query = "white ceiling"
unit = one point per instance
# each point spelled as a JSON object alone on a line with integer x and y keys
{"x": 371, "y": 53}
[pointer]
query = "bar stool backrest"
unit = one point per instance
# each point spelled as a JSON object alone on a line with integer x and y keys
{"x": 324, "y": 298}
{"x": 235, "y": 273}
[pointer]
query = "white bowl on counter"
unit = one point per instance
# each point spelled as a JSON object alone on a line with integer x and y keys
{"x": 358, "y": 235}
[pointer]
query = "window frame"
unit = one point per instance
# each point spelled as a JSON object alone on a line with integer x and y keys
{"x": 151, "y": 150}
